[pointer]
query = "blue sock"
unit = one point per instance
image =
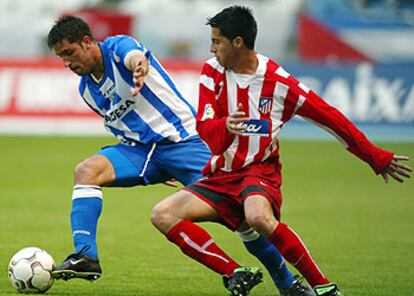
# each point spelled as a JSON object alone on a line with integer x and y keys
{"x": 269, "y": 256}
{"x": 86, "y": 209}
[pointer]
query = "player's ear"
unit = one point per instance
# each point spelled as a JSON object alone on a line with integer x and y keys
{"x": 238, "y": 42}
{"x": 86, "y": 42}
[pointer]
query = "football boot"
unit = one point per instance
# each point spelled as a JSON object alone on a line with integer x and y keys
{"x": 298, "y": 288}
{"x": 328, "y": 290}
{"x": 243, "y": 280}
{"x": 80, "y": 266}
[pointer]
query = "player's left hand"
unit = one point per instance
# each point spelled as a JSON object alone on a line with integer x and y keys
{"x": 138, "y": 77}
{"x": 397, "y": 170}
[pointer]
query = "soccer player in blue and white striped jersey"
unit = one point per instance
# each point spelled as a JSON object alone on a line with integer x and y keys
{"x": 140, "y": 104}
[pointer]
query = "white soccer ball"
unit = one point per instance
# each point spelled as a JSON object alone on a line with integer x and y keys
{"x": 30, "y": 270}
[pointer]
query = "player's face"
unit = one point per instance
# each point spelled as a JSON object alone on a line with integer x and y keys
{"x": 76, "y": 56}
{"x": 222, "y": 48}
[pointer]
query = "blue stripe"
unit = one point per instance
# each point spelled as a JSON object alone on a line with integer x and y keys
{"x": 126, "y": 74}
{"x": 82, "y": 89}
{"x": 154, "y": 63}
{"x": 141, "y": 46}
{"x": 152, "y": 98}
{"x": 120, "y": 134}
{"x": 137, "y": 125}
{"x": 90, "y": 106}
{"x": 116, "y": 99}
{"x": 164, "y": 110}
{"x": 116, "y": 132}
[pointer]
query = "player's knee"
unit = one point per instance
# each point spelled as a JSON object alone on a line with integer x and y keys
{"x": 96, "y": 170}
{"x": 86, "y": 173}
{"x": 162, "y": 217}
{"x": 261, "y": 223}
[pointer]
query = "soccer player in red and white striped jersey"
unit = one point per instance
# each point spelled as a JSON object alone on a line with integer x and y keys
{"x": 244, "y": 101}
{"x": 260, "y": 104}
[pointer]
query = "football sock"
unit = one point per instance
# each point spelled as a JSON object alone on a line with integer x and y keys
{"x": 295, "y": 252}
{"x": 86, "y": 209}
{"x": 270, "y": 257}
{"x": 196, "y": 243}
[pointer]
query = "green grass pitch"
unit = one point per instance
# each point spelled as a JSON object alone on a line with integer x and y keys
{"x": 359, "y": 230}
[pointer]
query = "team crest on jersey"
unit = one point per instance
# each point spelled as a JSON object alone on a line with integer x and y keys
{"x": 265, "y": 105}
{"x": 108, "y": 89}
{"x": 208, "y": 112}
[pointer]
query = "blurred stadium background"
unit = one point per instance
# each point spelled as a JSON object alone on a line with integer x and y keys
{"x": 357, "y": 54}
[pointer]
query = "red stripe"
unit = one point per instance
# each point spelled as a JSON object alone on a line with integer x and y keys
{"x": 222, "y": 105}
{"x": 212, "y": 72}
{"x": 223, "y": 111}
{"x": 222, "y": 100}
{"x": 292, "y": 98}
{"x": 220, "y": 162}
{"x": 274, "y": 66}
{"x": 275, "y": 154}
{"x": 242, "y": 148}
{"x": 288, "y": 107}
{"x": 267, "y": 91}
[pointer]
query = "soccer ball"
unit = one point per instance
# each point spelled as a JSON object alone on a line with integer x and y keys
{"x": 30, "y": 270}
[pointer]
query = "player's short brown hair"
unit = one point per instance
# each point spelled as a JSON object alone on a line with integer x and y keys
{"x": 236, "y": 21}
{"x": 68, "y": 27}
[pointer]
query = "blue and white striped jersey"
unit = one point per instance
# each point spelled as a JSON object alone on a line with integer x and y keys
{"x": 158, "y": 113}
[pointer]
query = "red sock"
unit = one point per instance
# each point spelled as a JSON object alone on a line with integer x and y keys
{"x": 196, "y": 243}
{"x": 295, "y": 252}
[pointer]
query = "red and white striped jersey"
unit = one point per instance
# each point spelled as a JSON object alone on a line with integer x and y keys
{"x": 270, "y": 98}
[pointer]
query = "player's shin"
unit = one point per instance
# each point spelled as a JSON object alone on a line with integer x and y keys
{"x": 269, "y": 256}
{"x": 86, "y": 209}
{"x": 196, "y": 243}
{"x": 295, "y": 252}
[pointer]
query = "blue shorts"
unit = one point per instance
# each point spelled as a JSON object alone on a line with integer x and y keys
{"x": 144, "y": 164}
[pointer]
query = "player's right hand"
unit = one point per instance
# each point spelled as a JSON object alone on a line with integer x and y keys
{"x": 138, "y": 77}
{"x": 234, "y": 122}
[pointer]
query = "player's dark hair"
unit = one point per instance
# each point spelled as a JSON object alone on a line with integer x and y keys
{"x": 236, "y": 21}
{"x": 68, "y": 27}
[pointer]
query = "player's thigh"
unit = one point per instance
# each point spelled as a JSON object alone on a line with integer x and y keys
{"x": 182, "y": 205}
{"x": 131, "y": 165}
{"x": 183, "y": 161}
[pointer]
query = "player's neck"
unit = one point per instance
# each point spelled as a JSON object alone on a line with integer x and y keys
{"x": 246, "y": 62}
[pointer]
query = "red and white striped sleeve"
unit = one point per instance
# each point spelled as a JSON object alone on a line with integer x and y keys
{"x": 210, "y": 126}
{"x": 310, "y": 106}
